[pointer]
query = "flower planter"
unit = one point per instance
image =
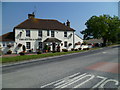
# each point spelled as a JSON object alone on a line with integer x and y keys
{"x": 76, "y": 49}
{"x": 76, "y": 43}
{"x": 46, "y": 51}
{"x": 9, "y": 52}
{"x": 39, "y": 52}
{"x": 22, "y": 53}
{"x": 9, "y": 46}
{"x": 69, "y": 44}
{"x": 72, "y": 49}
{"x": 64, "y": 50}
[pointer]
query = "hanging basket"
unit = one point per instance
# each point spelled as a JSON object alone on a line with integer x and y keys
{"x": 76, "y": 43}
{"x": 69, "y": 44}
{"x": 19, "y": 45}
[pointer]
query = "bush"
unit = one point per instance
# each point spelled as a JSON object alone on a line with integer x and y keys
{"x": 53, "y": 51}
{"x": 72, "y": 49}
{"x": 85, "y": 48}
{"x": 22, "y": 53}
{"x": 76, "y": 49}
{"x": 64, "y": 50}
{"x": 9, "y": 52}
{"x": 79, "y": 48}
{"x": 39, "y": 52}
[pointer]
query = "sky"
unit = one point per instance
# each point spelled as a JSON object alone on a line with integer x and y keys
{"x": 13, "y": 13}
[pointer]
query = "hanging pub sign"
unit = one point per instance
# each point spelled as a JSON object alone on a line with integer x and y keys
{"x": 30, "y": 39}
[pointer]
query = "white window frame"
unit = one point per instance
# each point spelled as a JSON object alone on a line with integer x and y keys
{"x": 65, "y": 33}
{"x": 28, "y": 45}
{"x": 40, "y": 33}
{"x": 27, "y": 33}
{"x": 52, "y": 33}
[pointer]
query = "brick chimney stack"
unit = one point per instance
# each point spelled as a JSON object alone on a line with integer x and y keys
{"x": 68, "y": 23}
{"x": 31, "y": 15}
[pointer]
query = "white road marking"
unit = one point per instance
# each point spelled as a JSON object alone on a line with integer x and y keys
{"x": 109, "y": 80}
{"x": 100, "y": 81}
{"x": 59, "y": 80}
{"x": 104, "y": 52}
{"x": 91, "y": 77}
{"x": 71, "y": 81}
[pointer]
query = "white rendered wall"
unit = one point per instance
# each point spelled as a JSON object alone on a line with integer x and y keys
{"x": 34, "y": 39}
{"x": 78, "y": 39}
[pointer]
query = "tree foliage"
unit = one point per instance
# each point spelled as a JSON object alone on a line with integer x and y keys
{"x": 104, "y": 27}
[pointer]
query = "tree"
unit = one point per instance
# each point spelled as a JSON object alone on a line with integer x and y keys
{"x": 104, "y": 27}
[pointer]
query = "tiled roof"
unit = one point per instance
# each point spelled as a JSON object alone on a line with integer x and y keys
{"x": 7, "y": 37}
{"x": 44, "y": 24}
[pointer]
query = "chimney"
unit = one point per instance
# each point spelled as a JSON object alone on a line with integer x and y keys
{"x": 31, "y": 15}
{"x": 68, "y": 23}
{"x": 63, "y": 23}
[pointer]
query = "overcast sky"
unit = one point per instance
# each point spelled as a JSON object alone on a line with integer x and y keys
{"x": 13, "y": 13}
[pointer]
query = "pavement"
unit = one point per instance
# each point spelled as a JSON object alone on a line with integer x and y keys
{"x": 91, "y": 69}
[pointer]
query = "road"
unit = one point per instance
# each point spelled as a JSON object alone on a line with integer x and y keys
{"x": 97, "y": 69}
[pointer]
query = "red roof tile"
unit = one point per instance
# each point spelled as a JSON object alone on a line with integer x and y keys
{"x": 7, "y": 37}
{"x": 44, "y": 24}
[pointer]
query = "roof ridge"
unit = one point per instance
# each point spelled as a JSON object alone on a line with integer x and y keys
{"x": 44, "y": 19}
{"x": 6, "y": 33}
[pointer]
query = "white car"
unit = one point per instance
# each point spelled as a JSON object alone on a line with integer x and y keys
{"x": 89, "y": 45}
{"x": 84, "y": 47}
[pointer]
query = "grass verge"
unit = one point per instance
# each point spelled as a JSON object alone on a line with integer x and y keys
{"x": 29, "y": 57}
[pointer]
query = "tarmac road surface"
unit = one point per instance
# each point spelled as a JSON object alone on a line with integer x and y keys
{"x": 89, "y": 70}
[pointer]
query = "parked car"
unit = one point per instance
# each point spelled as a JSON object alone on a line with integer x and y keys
{"x": 90, "y": 45}
{"x": 84, "y": 47}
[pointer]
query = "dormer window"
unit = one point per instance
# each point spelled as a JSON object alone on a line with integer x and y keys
{"x": 27, "y": 33}
{"x": 40, "y": 33}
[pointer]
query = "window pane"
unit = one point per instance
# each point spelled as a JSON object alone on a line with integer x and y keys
{"x": 28, "y": 45}
{"x": 52, "y": 33}
{"x": 47, "y": 32}
{"x": 65, "y": 34}
{"x": 40, "y": 45}
{"x": 40, "y": 33}
{"x": 28, "y": 33}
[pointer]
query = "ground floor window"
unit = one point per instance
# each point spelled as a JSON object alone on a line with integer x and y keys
{"x": 65, "y": 44}
{"x": 28, "y": 44}
{"x": 40, "y": 45}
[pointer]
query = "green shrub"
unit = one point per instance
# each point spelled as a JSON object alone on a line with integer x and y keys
{"x": 22, "y": 53}
{"x": 72, "y": 49}
{"x": 76, "y": 49}
{"x": 64, "y": 50}
{"x": 9, "y": 52}
{"x": 39, "y": 52}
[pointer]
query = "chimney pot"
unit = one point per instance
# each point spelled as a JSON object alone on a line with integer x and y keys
{"x": 31, "y": 15}
{"x": 68, "y": 23}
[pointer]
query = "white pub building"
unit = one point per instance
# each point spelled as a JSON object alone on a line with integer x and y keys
{"x": 33, "y": 34}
